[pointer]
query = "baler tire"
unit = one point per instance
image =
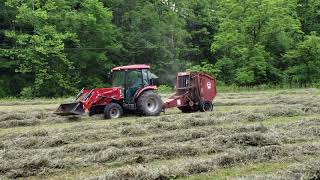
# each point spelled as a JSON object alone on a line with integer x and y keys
{"x": 206, "y": 106}
{"x": 112, "y": 111}
{"x": 149, "y": 104}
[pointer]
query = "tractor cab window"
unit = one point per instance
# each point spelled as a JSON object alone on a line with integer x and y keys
{"x": 118, "y": 79}
{"x": 134, "y": 82}
{"x": 134, "y": 79}
{"x": 145, "y": 76}
{"x": 152, "y": 78}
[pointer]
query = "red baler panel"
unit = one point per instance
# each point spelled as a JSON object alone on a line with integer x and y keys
{"x": 208, "y": 89}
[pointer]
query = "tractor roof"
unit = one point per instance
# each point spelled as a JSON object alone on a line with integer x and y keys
{"x": 136, "y": 66}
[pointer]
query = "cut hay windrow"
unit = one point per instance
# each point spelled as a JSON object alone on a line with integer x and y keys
{"x": 192, "y": 166}
{"x": 39, "y": 144}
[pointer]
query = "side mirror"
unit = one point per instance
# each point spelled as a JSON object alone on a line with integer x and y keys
{"x": 154, "y": 82}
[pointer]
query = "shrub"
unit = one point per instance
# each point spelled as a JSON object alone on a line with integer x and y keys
{"x": 164, "y": 89}
{"x": 27, "y": 92}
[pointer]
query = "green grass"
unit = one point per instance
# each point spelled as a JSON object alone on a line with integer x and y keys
{"x": 284, "y": 120}
{"x": 264, "y": 168}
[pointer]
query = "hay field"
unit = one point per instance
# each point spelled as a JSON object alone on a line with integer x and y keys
{"x": 249, "y": 135}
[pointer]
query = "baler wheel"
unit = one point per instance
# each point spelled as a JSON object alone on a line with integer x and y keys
{"x": 206, "y": 106}
{"x": 149, "y": 104}
{"x": 112, "y": 111}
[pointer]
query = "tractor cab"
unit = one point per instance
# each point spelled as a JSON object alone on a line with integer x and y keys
{"x": 132, "y": 79}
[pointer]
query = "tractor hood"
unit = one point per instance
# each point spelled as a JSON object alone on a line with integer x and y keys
{"x": 101, "y": 92}
{"x": 90, "y": 97}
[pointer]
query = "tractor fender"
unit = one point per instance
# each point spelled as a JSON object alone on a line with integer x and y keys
{"x": 140, "y": 91}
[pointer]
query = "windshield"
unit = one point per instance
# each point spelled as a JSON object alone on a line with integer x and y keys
{"x": 118, "y": 79}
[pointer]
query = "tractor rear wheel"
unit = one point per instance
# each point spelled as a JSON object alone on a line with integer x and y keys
{"x": 206, "y": 106}
{"x": 112, "y": 111}
{"x": 149, "y": 104}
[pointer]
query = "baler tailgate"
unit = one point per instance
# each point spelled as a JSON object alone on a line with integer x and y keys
{"x": 67, "y": 109}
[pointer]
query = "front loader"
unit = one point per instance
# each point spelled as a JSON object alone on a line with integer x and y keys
{"x": 133, "y": 90}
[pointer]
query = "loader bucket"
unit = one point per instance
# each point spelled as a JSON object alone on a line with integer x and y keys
{"x": 69, "y": 109}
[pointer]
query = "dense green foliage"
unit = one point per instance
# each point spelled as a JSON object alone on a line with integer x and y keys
{"x": 53, "y": 48}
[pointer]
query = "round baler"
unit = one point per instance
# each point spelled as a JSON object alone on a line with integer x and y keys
{"x": 195, "y": 91}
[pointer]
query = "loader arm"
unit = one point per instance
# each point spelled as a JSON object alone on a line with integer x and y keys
{"x": 88, "y": 98}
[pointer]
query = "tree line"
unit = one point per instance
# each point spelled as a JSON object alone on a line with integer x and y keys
{"x": 53, "y": 48}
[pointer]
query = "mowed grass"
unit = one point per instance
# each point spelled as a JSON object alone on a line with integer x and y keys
{"x": 249, "y": 135}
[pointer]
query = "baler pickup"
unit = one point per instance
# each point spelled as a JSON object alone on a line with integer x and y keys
{"x": 67, "y": 109}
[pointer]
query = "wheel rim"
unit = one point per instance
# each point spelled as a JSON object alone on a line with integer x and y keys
{"x": 114, "y": 113}
{"x": 207, "y": 106}
{"x": 152, "y": 105}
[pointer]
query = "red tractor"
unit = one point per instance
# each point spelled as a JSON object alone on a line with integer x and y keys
{"x": 133, "y": 89}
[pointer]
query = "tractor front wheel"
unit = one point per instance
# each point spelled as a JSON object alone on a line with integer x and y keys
{"x": 112, "y": 111}
{"x": 206, "y": 106}
{"x": 150, "y": 104}
{"x": 92, "y": 111}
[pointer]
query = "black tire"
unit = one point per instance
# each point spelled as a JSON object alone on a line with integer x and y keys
{"x": 149, "y": 104}
{"x": 92, "y": 110}
{"x": 206, "y": 106}
{"x": 112, "y": 111}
